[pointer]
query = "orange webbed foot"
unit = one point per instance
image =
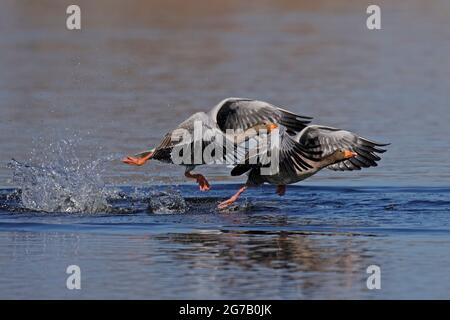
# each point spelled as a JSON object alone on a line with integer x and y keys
{"x": 137, "y": 161}
{"x": 203, "y": 183}
{"x": 226, "y": 203}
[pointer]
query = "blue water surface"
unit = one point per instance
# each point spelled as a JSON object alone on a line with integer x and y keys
{"x": 171, "y": 242}
{"x": 139, "y": 68}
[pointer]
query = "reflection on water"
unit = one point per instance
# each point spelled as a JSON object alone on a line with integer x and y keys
{"x": 280, "y": 264}
{"x": 303, "y": 260}
{"x": 213, "y": 265}
{"x": 315, "y": 243}
{"x": 199, "y": 265}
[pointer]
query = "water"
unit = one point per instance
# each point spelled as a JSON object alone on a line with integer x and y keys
{"x": 316, "y": 242}
{"x": 138, "y": 69}
{"x": 58, "y": 181}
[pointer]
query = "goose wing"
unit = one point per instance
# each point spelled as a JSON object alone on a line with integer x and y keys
{"x": 292, "y": 157}
{"x": 327, "y": 140}
{"x": 210, "y": 145}
{"x": 242, "y": 113}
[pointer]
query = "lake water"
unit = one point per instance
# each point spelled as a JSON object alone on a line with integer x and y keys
{"x": 137, "y": 69}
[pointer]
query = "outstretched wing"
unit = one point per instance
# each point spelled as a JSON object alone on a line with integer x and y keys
{"x": 241, "y": 113}
{"x": 327, "y": 140}
{"x": 292, "y": 157}
{"x": 211, "y": 147}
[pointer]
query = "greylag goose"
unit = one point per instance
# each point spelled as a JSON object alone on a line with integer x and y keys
{"x": 240, "y": 116}
{"x": 306, "y": 153}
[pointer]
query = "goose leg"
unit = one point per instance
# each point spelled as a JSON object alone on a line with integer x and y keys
{"x": 201, "y": 180}
{"x": 281, "y": 189}
{"x": 227, "y": 203}
{"x": 138, "y": 160}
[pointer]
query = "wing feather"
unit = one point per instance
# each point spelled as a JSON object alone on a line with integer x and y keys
{"x": 241, "y": 113}
{"x": 327, "y": 140}
{"x": 292, "y": 157}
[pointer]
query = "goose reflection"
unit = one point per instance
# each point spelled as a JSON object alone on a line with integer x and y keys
{"x": 274, "y": 262}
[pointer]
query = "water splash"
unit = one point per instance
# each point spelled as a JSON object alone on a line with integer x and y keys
{"x": 56, "y": 180}
{"x": 167, "y": 202}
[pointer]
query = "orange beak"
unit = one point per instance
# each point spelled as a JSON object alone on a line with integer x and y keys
{"x": 349, "y": 154}
{"x": 272, "y": 126}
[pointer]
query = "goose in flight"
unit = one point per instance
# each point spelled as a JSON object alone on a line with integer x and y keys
{"x": 233, "y": 119}
{"x": 305, "y": 153}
